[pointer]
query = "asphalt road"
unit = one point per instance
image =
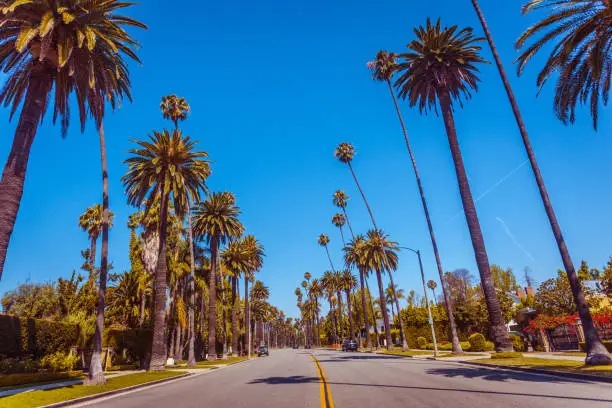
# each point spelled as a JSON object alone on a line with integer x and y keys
{"x": 291, "y": 378}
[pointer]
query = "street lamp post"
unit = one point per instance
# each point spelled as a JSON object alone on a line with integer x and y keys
{"x": 431, "y": 323}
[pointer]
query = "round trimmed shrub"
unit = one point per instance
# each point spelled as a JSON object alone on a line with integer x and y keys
{"x": 517, "y": 343}
{"x": 422, "y": 343}
{"x": 477, "y": 342}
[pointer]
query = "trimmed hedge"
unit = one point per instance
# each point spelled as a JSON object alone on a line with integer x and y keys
{"x": 422, "y": 342}
{"x": 518, "y": 343}
{"x": 607, "y": 343}
{"x": 20, "y": 337}
{"x": 477, "y": 342}
{"x": 131, "y": 345}
{"x": 33, "y": 378}
{"x": 508, "y": 354}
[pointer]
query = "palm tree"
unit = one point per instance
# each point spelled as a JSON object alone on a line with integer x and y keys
{"x": 340, "y": 200}
{"x": 348, "y": 282}
{"x": 582, "y": 39}
{"x": 400, "y": 295}
{"x": 255, "y": 259}
{"x": 381, "y": 256}
{"x": 582, "y": 71}
{"x": 323, "y": 240}
{"x": 164, "y": 168}
{"x": 383, "y": 68}
{"x": 38, "y": 58}
{"x": 337, "y": 276}
{"x": 354, "y": 257}
{"x": 91, "y": 222}
{"x": 236, "y": 259}
{"x": 216, "y": 220}
{"x": 315, "y": 291}
{"x": 328, "y": 282}
{"x": 174, "y": 108}
{"x": 339, "y": 220}
{"x": 431, "y": 284}
{"x": 440, "y": 67}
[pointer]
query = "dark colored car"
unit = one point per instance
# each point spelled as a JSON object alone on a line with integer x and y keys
{"x": 349, "y": 345}
{"x": 263, "y": 351}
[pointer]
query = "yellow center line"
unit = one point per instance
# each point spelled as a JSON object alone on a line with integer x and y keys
{"x": 326, "y": 397}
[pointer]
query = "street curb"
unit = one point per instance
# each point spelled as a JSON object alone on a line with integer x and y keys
{"x": 113, "y": 392}
{"x": 576, "y": 376}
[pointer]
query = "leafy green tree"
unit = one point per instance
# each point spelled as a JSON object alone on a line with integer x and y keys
{"x": 440, "y": 67}
{"x": 554, "y": 297}
{"x": 164, "y": 168}
{"x": 606, "y": 279}
{"x": 216, "y": 221}
{"x": 32, "y": 300}
{"x": 504, "y": 280}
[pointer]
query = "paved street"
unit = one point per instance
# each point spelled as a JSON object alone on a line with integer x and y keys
{"x": 290, "y": 378}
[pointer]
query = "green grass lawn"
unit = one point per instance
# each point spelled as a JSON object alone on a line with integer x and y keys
{"x": 410, "y": 353}
{"x": 548, "y": 364}
{"x": 573, "y": 354}
{"x": 20, "y": 380}
{"x": 446, "y": 355}
{"x": 212, "y": 364}
{"x": 41, "y": 398}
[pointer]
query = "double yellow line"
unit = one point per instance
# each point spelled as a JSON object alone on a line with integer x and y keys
{"x": 326, "y": 397}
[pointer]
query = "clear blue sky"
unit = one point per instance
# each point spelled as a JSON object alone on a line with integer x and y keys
{"x": 274, "y": 86}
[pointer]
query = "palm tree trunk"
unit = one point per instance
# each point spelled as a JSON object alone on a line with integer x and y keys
{"x": 340, "y": 319}
{"x": 348, "y": 222}
{"x": 212, "y": 301}
{"x": 349, "y": 310}
{"x": 497, "y": 328}
{"x": 596, "y": 351}
{"x": 383, "y": 308}
{"x": 234, "y": 318}
{"x": 342, "y": 236}
{"x": 224, "y": 315}
{"x": 329, "y": 258}
{"x": 366, "y": 320}
{"x": 449, "y": 311}
{"x": 247, "y": 317}
{"x": 92, "y": 252}
{"x": 96, "y": 371}
{"x": 191, "y": 360}
{"x": 373, "y": 316}
{"x": 399, "y": 314}
{"x": 143, "y": 300}
{"x": 363, "y": 195}
{"x": 13, "y": 176}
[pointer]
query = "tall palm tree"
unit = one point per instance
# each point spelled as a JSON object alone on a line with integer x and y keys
{"x": 381, "y": 256}
{"x": 338, "y": 286}
{"x": 91, "y": 222}
{"x": 580, "y": 33}
{"x": 340, "y": 200}
{"x": 236, "y": 260}
{"x": 339, "y": 220}
{"x": 400, "y": 295}
{"x": 174, "y": 108}
{"x": 328, "y": 282}
{"x": 164, "y": 168}
{"x": 39, "y": 58}
{"x": 345, "y": 152}
{"x": 383, "y": 68}
{"x": 583, "y": 69}
{"x": 432, "y": 285}
{"x": 440, "y": 67}
{"x": 323, "y": 240}
{"x": 348, "y": 283}
{"x": 354, "y": 257}
{"x": 216, "y": 220}
{"x": 316, "y": 291}
{"x": 255, "y": 256}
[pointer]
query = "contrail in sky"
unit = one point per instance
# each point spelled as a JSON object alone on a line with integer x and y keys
{"x": 493, "y": 187}
{"x": 513, "y": 238}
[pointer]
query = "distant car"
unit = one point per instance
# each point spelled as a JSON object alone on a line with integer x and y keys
{"x": 349, "y": 345}
{"x": 263, "y": 351}
{"x": 295, "y": 346}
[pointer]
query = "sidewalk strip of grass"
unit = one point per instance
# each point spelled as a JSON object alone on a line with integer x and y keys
{"x": 449, "y": 355}
{"x": 410, "y": 353}
{"x": 209, "y": 364}
{"x": 549, "y": 364}
{"x": 41, "y": 398}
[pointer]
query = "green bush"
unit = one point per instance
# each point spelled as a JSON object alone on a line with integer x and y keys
{"x": 422, "y": 342}
{"x": 466, "y": 346}
{"x": 489, "y": 346}
{"x": 477, "y": 342}
{"x": 33, "y": 378}
{"x": 607, "y": 343}
{"x": 517, "y": 343}
{"x": 132, "y": 345}
{"x": 21, "y": 337}
{"x": 59, "y": 362}
{"x": 10, "y": 365}
{"x": 509, "y": 354}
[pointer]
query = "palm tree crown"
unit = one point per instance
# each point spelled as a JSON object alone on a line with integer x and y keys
{"x": 431, "y": 284}
{"x": 581, "y": 56}
{"x": 64, "y": 43}
{"x": 91, "y": 220}
{"x": 440, "y": 60}
{"x": 323, "y": 240}
{"x": 338, "y": 220}
{"x": 345, "y": 152}
{"x": 217, "y": 217}
{"x": 174, "y": 108}
{"x": 379, "y": 252}
{"x": 166, "y": 163}
{"x": 354, "y": 254}
{"x": 340, "y": 199}
{"x": 384, "y": 65}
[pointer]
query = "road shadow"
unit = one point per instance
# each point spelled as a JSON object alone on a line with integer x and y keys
{"x": 360, "y": 358}
{"x": 294, "y": 379}
{"x": 489, "y": 374}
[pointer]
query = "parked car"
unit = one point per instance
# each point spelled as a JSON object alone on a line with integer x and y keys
{"x": 349, "y": 345}
{"x": 263, "y": 351}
